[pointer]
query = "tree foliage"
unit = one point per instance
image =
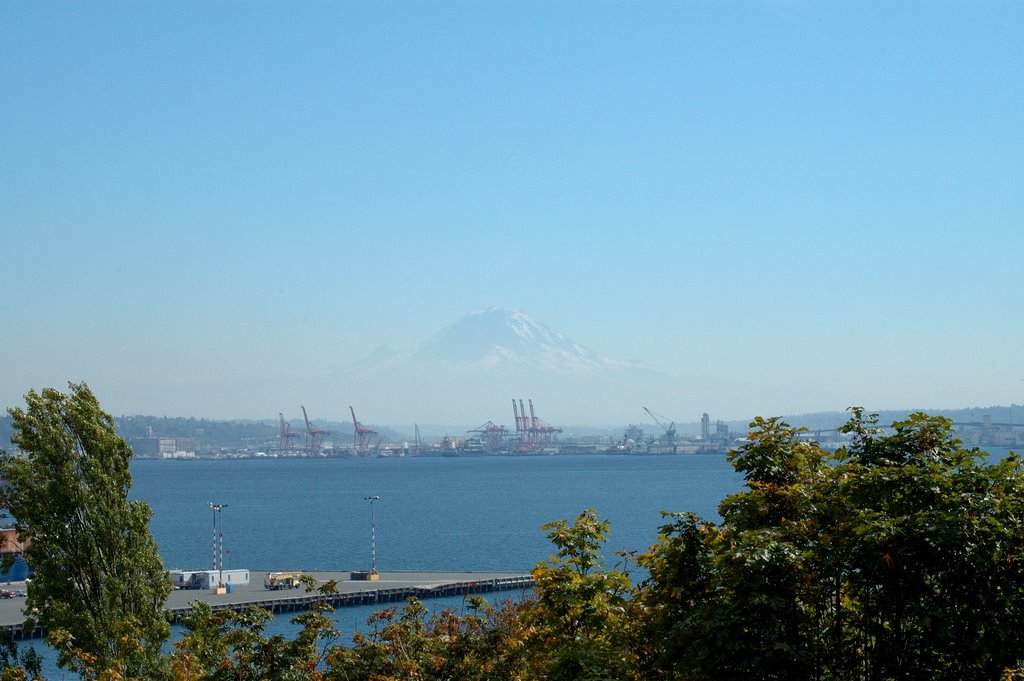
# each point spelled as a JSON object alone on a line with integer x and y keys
{"x": 233, "y": 646}
{"x": 579, "y": 623}
{"x": 98, "y": 584}
{"x": 900, "y": 558}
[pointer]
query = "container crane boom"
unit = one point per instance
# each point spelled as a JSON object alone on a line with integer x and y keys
{"x": 362, "y": 435}
{"x": 314, "y": 435}
{"x": 670, "y": 429}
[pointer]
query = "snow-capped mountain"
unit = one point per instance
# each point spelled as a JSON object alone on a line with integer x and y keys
{"x": 495, "y": 338}
{"x": 471, "y": 368}
{"x": 468, "y": 372}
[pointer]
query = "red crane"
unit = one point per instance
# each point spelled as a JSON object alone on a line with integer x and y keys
{"x": 520, "y": 427}
{"x": 542, "y": 431}
{"x": 494, "y": 435}
{"x": 287, "y": 435}
{"x": 314, "y": 436}
{"x": 361, "y": 438}
{"x": 532, "y": 431}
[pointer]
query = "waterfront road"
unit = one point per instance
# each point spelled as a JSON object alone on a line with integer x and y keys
{"x": 391, "y": 587}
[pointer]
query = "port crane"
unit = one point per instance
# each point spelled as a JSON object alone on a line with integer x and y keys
{"x": 531, "y": 431}
{"x": 492, "y": 434}
{"x": 362, "y": 434}
{"x": 288, "y": 435}
{"x": 419, "y": 442}
{"x": 314, "y": 436}
{"x": 670, "y": 429}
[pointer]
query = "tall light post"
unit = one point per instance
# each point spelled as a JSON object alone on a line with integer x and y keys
{"x": 373, "y": 537}
{"x": 218, "y": 516}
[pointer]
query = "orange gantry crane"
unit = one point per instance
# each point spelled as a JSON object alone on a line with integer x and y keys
{"x": 492, "y": 435}
{"x": 314, "y": 436}
{"x": 288, "y": 436}
{"x": 532, "y": 431}
{"x": 361, "y": 436}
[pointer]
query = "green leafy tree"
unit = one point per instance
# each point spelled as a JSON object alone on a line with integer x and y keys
{"x": 234, "y": 646}
{"x": 580, "y": 625}
{"x": 730, "y": 602}
{"x": 902, "y": 558}
{"x": 678, "y": 601}
{"x": 484, "y": 643}
{"x": 98, "y": 584}
{"x": 934, "y": 552}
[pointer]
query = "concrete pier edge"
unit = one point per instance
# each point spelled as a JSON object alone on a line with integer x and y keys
{"x": 392, "y": 587}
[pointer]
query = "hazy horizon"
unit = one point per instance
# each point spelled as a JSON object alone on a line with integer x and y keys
{"x": 773, "y": 207}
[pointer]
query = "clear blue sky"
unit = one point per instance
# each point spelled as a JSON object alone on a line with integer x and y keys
{"x": 819, "y": 203}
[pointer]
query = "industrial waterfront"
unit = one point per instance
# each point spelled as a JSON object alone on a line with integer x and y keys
{"x": 530, "y": 435}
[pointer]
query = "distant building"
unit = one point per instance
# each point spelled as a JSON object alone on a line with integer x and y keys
{"x": 164, "y": 447}
{"x": 989, "y": 434}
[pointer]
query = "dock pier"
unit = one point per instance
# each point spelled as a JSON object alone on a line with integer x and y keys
{"x": 392, "y": 587}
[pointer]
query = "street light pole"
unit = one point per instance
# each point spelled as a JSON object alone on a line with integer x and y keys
{"x": 373, "y": 536}
{"x": 213, "y": 507}
{"x": 218, "y": 515}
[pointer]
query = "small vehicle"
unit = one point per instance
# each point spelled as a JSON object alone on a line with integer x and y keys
{"x": 277, "y": 581}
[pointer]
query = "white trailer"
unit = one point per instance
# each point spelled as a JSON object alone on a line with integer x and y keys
{"x": 207, "y": 579}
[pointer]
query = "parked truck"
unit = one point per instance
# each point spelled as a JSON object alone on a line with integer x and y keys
{"x": 276, "y": 581}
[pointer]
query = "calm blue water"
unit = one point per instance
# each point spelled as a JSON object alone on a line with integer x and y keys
{"x": 456, "y": 514}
